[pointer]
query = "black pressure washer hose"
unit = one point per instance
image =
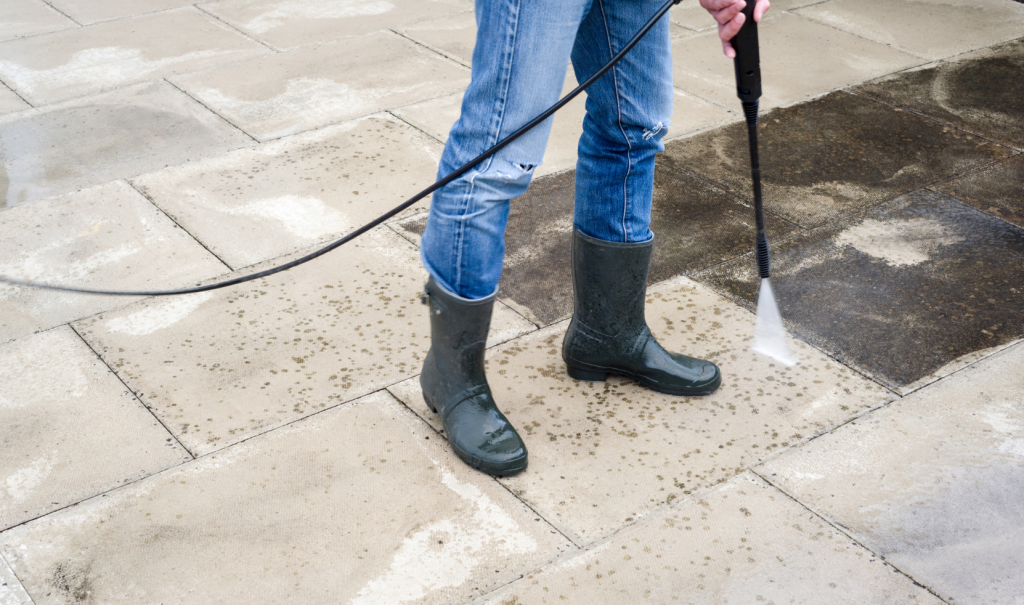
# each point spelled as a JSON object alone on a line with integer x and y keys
{"x": 377, "y": 221}
{"x": 748, "y": 88}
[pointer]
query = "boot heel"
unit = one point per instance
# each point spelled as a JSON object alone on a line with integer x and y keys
{"x": 586, "y": 375}
{"x": 430, "y": 405}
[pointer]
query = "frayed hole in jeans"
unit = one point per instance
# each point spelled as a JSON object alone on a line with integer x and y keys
{"x": 526, "y": 167}
{"x": 651, "y": 132}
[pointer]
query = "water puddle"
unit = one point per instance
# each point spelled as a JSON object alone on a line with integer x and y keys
{"x": 769, "y": 334}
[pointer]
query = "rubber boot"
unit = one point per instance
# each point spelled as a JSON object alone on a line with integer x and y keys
{"x": 454, "y": 385}
{"x": 609, "y": 334}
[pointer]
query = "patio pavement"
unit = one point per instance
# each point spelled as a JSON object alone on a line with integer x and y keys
{"x": 268, "y": 443}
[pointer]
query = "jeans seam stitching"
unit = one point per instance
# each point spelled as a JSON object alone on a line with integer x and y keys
{"x": 618, "y": 115}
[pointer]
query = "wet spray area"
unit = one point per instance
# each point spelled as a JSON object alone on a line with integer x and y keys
{"x": 268, "y": 443}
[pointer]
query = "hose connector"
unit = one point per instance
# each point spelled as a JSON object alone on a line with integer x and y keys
{"x": 763, "y": 255}
{"x": 750, "y": 111}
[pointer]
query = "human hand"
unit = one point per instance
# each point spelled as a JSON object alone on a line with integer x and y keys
{"x": 730, "y": 18}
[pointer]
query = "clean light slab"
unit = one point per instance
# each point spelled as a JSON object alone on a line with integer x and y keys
{"x": 19, "y": 18}
{"x": 271, "y": 97}
{"x": 71, "y": 430}
{"x": 358, "y": 505}
{"x": 102, "y": 57}
{"x": 107, "y": 237}
{"x": 221, "y": 366}
{"x": 94, "y": 11}
{"x": 291, "y": 23}
{"x": 64, "y": 147}
{"x": 10, "y": 102}
{"x": 256, "y": 204}
{"x": 11, "y": 590}
{"x": 800, "y": 59}
{"x": 692, "y": 16}
{"x": 742, "y": 542}
{"x": 932, "y": 483}
{"x": 605, "y": 454}
{"x": 933, "y": 29}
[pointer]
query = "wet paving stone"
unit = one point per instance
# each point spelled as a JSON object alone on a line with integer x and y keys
{"x": 361, "y": 505}
{"x": 20, "y": 18}
{"x": 998, "y": 190}
{"x": 932, "y": 482}
{"x": 902, "y": 292}
{"x": 109, "y": 238}
{"x": 221, "y": 366}
{"x": 742, "y": 542}
{"x": 835, "y": 156}
{"x": 10, "y": 102}
{"x": 696, "y": 225}
{"x": 86, "y": 60}
{"x": 980, "y": 92}
{"x": 92, "y": 141}
{"x": 70, "y": 428}
{"x": 255, "y": 204}
{"x": 287, "y": 23}
{"x": 606, "y": 454}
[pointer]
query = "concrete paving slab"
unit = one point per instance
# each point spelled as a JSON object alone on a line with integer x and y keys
{"x": 692, "y": 16}
{"x": 998, "y": 189}
{"x": 928, "y": 28}
{"x": 942, "y": 276}
{"x": 94, "y": 11}
{"x": 256, "y": 204}
{"x": 107, "y": 237}
{"x": 222, "y": 366}
{"x": 11, "y": 590}
{"x": 10, "y": 102}
{"x": 85, "y": 61}
{"x": 742, "y": 542}
{"x": 291, "y": 23}
{"x": 69, "y": 146}
{"x": 362, "y": 504}
{"x": 453, "y": 35}
{"x": 979, "y": 92}
{"x": 835, "y": 156}
{"x": 800, "y": 59}
{"x": 603, "y": 455}
{"x": 696, "y": 225}
{"x": 71, "y": 429}
{"x": 20, "y": 18}
{"x": 271, "y": 97}
{"x": 932, "y": 483}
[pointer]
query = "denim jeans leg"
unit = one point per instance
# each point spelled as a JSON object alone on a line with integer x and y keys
{"x": 519, "y": 64}
{"x": 628, "y": 112}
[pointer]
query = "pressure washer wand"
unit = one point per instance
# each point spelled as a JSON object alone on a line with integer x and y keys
{"x": 748, "y": 88}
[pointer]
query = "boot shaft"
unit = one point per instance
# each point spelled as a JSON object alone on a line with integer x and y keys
{"x": 610, "y": 283}
{"x": 458, "y": 339}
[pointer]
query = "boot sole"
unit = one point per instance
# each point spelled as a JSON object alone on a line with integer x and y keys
{"x": 598, "y": 374}
{"x": 482, "y": 465}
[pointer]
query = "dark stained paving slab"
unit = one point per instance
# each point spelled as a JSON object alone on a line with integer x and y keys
{"x": 835, "y": 156}
{"x": 899, "y": 292}
{"x": 982, "y": 92}
{"x": 998, "y": 190}
{"x": 696, "y": 225}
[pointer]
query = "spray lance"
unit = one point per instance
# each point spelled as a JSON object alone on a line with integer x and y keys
{"x": 769, "y": 333}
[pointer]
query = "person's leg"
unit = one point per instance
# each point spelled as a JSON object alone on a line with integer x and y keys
{"x": 519, "y": 63}
{"x": 627, "y": 116}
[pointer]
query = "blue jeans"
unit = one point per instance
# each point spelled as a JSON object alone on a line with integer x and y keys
{"x": 522, "y": 50}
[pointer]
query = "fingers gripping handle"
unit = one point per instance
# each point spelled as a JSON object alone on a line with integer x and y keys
{"x": 748, "y": 58}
